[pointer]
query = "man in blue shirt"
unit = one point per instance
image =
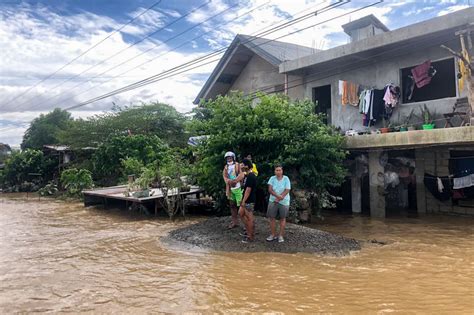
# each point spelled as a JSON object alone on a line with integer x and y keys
{"x": 279, "y": 203}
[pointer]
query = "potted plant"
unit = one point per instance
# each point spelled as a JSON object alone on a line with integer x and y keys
{"x": 144, "y": 182}
{"x": 427, "y": 117}
{"x": 386, "y": 126}
{"x": 406, "y": 121}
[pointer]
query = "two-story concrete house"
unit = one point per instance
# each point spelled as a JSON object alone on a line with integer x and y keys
{"x": 420, "y": 171}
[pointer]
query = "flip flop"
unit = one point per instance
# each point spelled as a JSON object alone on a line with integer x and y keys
{"x": 232, "y": 226}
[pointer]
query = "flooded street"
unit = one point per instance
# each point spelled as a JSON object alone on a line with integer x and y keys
{"x": 62, "y": 257}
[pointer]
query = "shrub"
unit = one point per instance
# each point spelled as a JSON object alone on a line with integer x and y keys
{"x": 19, "y": 167}
{"x": 75, "y": 181}
{"x": 136, "y": 149}
{"x": 49, "y": 189}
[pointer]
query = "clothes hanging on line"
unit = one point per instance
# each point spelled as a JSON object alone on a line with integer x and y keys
{"x": 463, "y": 182}
{"x": 391, "y": 98}
{"x": 422, "y": 74}
{"x": 371, "y": 106}
{"x": 350, "y": 93}
{"x": 431, "y": 183}
{"x": 378, "y": 105}
{"x": 440, "y": 185}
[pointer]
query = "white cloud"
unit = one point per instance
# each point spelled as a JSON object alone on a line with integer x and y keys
{"x": 36, "y": 41}
{"x": 452, "y": 9}
{"x": 415, "y": 11}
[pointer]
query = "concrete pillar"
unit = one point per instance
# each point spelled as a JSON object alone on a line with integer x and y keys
{"x": 356, "y": 194}
{"x": 420, "y": 176}
{"x": 376, "y": 182}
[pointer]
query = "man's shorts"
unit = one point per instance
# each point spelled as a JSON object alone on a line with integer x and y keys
{"x": 275, "y": 209}
{"x": 249, "y": 207}
{"x": 236, "y": 196}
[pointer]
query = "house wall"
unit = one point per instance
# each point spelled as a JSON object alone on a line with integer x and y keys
{"x": 257, "y": 75}
{"x": 365, "y": 32}
{"x": 377, "y": 74}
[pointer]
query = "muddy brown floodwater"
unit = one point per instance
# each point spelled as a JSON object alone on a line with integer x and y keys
{"x": 62, "y": 257}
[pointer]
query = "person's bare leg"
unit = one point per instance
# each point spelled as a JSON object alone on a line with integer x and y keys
{"x": 272, "y": 226}
{"x": 235, "y": 216}
{"x": 250, "y": 224}
{"x": 282, "y": 226}
{"x": 243, "y": 216}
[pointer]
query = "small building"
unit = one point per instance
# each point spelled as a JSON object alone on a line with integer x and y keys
{"x": 62, "y": 152}
{"x": 413, "y": 172}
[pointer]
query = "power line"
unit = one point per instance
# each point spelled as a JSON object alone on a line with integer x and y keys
{"x": 136, "y": 56}
{"x": 281, "y": 25}
{"x": 124, "y": 49}
{"x": 222, "y": 49}
{"x": 331, "y": 73}
{"x": 85, "y": 52}
{"x": 157, "y": 77}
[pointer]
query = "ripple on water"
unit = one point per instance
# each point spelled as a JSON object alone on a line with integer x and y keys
{"x": 57, "y": 256}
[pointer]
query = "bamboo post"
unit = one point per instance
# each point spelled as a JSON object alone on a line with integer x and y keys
{"x": 469, "y": 80}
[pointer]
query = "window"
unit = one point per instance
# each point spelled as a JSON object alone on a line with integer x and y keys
{"x": 442, "y": 85}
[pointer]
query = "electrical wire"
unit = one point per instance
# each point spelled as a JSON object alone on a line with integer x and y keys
{"x": 124, "y": 49}
{"x": 158, "y": 77}
{"x": 85, "y": 52}
{"x": 281, "y": 26}
{"x": 209, "y": 55}
{"x": 142, "y": 53}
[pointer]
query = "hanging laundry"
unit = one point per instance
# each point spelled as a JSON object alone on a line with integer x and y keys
{"x": 431, "y": 183}
{"x": 350, "y": 93}
{"x": 423, "y": 73}
{"x": 362, "y": 101}
{"x": 340, "y": 86}
{"x": 463, "y": 182}
{"x": 378, "y": 105}
{"x": 353, "y": 94}
{"x": 391, "y": 98}
{"x": 440, "y": 185}
{"x": 392, "y": 95}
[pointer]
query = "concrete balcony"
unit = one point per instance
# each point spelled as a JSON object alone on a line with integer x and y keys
{"x": 417, "y": 138}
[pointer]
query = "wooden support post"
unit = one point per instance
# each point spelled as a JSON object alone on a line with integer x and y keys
{"x": 469, "y": 80}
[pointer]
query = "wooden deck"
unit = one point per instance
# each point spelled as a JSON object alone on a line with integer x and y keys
{"x": 104, "y": 194}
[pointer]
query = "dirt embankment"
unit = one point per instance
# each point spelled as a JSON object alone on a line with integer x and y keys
{"x": 212, "y": 234}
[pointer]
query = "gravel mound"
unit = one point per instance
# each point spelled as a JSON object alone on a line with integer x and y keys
{"x": 212, "y": 234}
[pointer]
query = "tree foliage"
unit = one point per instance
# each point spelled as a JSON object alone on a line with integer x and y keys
{"x": 274, "y": 130}
{"x": 45, "y": 129}
{"x": 149, "y": 119}
{"x": 75, "y": 181}
{"x": 109, "y": 159}
{"x": 20, "y": 166}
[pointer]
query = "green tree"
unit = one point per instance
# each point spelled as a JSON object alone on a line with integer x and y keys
{"x": 45, "y": 129}
{"x": 149, "y": 119}
{"x": 108, "y": 160}
{"x": 274, "y": 130}
{"x": 20, "y": 164}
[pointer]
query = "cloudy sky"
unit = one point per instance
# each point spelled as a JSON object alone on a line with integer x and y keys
{"x": 39, "y": 37}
